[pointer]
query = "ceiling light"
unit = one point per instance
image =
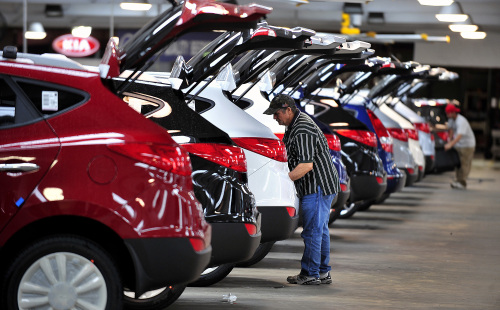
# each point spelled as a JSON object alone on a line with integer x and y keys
{"x": 81, "y": 31}
{"x": 477, "y": 35}
{"x": 35, "y": 32}
{"x": 435, "y": 2}
{"x": 463, "y": 26}
{"x": 452, "y": 13}
{"x": 135, "y": 5}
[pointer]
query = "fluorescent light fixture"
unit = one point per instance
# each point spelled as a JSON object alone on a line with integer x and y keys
{"x": 463, "y": 27}
{"x": 477, "y": 35}
{"x": 81, "y": 31}
{"x": 135, "y": 5}
{"x": 436, "y": 2}
{"x": 35, "y": 32}
{"x": 452, "y": 14}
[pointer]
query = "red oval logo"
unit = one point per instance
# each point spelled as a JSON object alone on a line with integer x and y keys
{"x": 72, "y": 46}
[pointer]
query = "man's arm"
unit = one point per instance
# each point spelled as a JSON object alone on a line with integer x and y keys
{"x": 300, "y": 171}
{"x": 450, "y": 144}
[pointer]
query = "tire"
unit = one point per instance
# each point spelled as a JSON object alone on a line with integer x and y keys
{"x": 334, "y": 215}
{"x": 349, "y": 209}
{"x": 62, "y": 272}
{"x": 153, "y": 300}
{"x": 262, "y": 250}
{"x": 365, "y": 205}
{"x": 213, "y": 275}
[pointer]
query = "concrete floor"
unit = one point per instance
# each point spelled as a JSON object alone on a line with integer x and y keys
{"x": 427, "y": 247}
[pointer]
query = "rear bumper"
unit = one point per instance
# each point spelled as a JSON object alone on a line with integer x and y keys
{"x": 410, "y": 178}
{"x": 231, "y": 243}
{"x": 277, "y": 224}
{"x": 430, "y": 162}
{"x": 161, "y": 262}
{"x": 366, "y": 187}
{"x": 395, "y": 183}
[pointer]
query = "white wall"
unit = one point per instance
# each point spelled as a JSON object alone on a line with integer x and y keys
{"x": 460, "y": 52}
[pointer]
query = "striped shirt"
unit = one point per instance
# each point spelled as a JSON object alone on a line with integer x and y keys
{"x": 306, "y": 143}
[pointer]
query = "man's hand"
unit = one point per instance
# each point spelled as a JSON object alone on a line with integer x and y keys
{"x": 300, "y": 171}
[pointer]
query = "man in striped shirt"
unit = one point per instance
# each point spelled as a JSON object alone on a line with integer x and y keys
{"x": 316, "y": 181}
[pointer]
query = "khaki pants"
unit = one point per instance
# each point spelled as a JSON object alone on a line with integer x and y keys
{"x": 465, "y": 154}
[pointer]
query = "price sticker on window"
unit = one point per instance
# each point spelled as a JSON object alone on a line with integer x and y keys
{"x": 50, "y": 101}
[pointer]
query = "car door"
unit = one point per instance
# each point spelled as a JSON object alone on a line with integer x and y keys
{"x": 28, "y": 148}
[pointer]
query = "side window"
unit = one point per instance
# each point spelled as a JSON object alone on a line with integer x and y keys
{"x": 7, "y": 104}
{"x": 49, "y": 99}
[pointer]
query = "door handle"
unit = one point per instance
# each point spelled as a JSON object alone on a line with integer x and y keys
{"x": 19, "y": 167}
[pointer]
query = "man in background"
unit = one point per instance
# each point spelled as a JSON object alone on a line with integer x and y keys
{"x": 463, "y": 140}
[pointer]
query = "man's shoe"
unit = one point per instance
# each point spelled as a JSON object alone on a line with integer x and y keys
{"x": 325, "y": 278}
{"x": 304, "y": 280}
{"x": 457, "y": 185}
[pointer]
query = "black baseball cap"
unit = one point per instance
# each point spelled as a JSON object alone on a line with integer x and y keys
{"x": 279, "y": 102}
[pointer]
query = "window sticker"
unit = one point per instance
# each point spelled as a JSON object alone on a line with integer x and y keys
{"x": 50, "y": 101}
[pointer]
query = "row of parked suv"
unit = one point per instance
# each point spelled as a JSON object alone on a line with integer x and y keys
{"x": 122, "y": 185}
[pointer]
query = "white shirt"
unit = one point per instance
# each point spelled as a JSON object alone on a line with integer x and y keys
{"x": 461, "y": 126}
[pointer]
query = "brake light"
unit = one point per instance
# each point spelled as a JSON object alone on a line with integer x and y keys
{"x": 421, "y": 168}
{"x": 166, "y": 157}
{"x": 362, "y": 136}
{"x": 412, "y": 134}
{"x": 423, "y": 127}
{"x": 197, "y": 244}
{"x": 382, "y": 132}
{"x": 272, "y": 148}
{"x": 343, "y": 187}
{"x": 228, "y": 156}
{"x": 291, "y": 211}
{"x": 380, "y": 180}
{"x": 443, "y": 135}
{"x": 398, "y": 133}
{"x": 411, "y": 170}
{"x": 333, "y": 142}
{"x": 251, "y": 228}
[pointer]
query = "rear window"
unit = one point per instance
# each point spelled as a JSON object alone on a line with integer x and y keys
{"x": 51, "y": 99}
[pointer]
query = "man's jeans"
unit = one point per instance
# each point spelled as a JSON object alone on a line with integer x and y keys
{"x": 316, "y": 235}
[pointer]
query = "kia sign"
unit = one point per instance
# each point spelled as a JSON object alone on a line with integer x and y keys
{"x": 72, "y": 46}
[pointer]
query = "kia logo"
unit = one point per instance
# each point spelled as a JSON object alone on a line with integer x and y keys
{"x": 72, "y": 46}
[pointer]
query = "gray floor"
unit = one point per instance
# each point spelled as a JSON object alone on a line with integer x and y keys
{"x": 427, "y": 247}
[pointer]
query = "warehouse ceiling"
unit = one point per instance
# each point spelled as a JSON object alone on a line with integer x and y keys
{"x": 399, "y": 16}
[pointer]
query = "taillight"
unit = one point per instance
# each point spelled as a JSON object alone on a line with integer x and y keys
{"x": 226, "y": 155}
{"x": 412, "y": 134}
{"x": 421, "y": 168}
{"x": 343, "y": 187}
{"x": 197, "y": 244}
{"x": 423, "y": 127}
{"x": 272, "y": 148}
{"x": 264, "y": 32}
{"x": 362, "y": 136}
{"x": 382, "y": 132}
{"x": 291, "y": 211}
{"x": 251, "y": 229}
{"x": 166, "y": 157}
{"x": 380, "y": 180}
{"x": 411, "y": 170}
{"x": 398, "y": 133}
{"x": 443, "y": 135}
{"x": 333, "y": 142}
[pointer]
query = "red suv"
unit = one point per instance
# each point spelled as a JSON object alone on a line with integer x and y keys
{"x": 94, "y": 197}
